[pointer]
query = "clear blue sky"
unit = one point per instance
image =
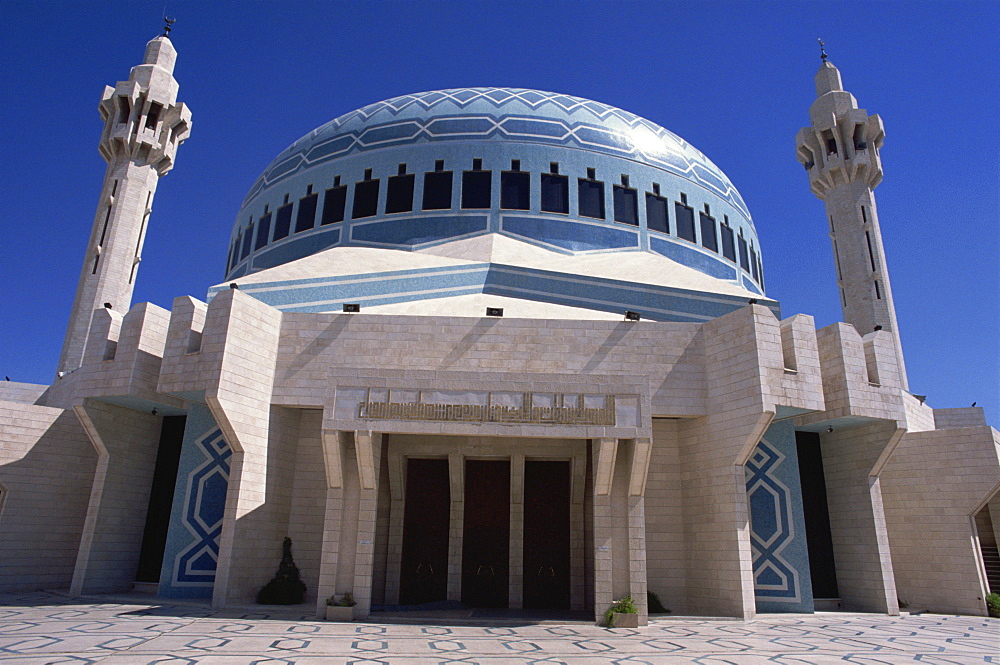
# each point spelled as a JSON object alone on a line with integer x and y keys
{"x": 734, "y": 78}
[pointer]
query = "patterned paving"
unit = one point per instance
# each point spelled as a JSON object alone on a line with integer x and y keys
{"x": 47, "y": 629}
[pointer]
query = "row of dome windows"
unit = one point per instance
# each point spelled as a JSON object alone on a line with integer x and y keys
{"x": 515, "y": 194}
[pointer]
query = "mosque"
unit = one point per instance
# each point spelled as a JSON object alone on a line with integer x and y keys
{"x": 499, "y": 347}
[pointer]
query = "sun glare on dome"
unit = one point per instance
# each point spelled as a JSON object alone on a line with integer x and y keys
{"x": 646, "y": 141}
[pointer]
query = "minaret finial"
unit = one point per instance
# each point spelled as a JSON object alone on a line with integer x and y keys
{"x": 822, "y": 50}
{"x": 168, "y": 22}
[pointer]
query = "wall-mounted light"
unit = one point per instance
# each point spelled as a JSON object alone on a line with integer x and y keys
{"x": 494, "y": 311}
{"x": 352, "y": 307}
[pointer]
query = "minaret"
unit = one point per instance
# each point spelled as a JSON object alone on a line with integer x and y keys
{"x": 840, "y": 151}
{"x": 143, "y": 125}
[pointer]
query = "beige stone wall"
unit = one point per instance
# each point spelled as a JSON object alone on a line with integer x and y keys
{"x": 242, "y": 334}
{"x": 857, "y": 520}
{"x": 127, "y": 442}
{"x": 256, "y": 546}
{"x": 666, "y": 353}
{"x": 665, "y": 547}
{"x": 307, "y": 499}
{"x": 932, "y": 486}
{"x": 25, "y": 393}
{"x": 46, "y": 470}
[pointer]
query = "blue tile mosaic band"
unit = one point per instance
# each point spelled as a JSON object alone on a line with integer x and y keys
{"x": 192, "y": 550}
{"x": 658, "y": 303}
{"x": 777, "y": 527}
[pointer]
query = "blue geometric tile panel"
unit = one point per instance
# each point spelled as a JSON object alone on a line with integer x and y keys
{"x": 777, "y": 529}
{"x": 192, "y": 550}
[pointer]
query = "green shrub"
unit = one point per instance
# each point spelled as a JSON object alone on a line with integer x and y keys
{"x": 347, "y": 600}
{"x": 654, "y": 604}
{"x": 285, "y": 588}
{"x": 993, "y": 604}
{"x": 623, "y": 606}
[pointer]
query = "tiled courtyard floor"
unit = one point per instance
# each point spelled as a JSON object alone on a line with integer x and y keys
{"x": 49, "y": 629}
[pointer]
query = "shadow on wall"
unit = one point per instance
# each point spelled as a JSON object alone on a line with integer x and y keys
{"x": 47, "y": 485}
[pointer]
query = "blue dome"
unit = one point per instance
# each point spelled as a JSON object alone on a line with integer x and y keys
{"x": 500, "y": 114}
{"x": 564, "y": 174}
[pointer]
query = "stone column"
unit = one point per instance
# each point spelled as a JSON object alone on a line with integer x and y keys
{"x": 515, "y": 584}
{"x": 603, "y": 454}
{"x": 456, "y": 471}
{"x": 368, "y": 449}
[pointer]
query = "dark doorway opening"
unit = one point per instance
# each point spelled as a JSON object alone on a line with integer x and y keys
{"x": 424, "y": 568}
{"x": 546, "y": 535}
{"x": 486, "y": 538}
{"x": 822, "y": 568}
{"x": 161, "y": 499}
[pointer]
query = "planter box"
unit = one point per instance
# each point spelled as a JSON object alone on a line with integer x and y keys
{"x": 339, "y": 613}
{"x": 624, "y": 620}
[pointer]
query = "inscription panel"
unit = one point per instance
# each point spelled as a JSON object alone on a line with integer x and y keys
{"x": 481, "y": 407}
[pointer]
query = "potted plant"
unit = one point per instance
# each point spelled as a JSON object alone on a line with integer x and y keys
{"x": 340, "y": 610}
{"x": 622, "y": 614}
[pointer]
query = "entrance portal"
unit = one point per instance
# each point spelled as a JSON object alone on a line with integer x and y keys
{"x": 546, "y": 535}
{"x": 424, "y": 566}
{"x": 486, "y": 539}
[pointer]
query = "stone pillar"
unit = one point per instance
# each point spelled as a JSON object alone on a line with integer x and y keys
{"x": 456, "y": 471}
{"x": 515, "y": 584}
{"x": 368, "y": 450}
{"x": 603, "y": 452}
{"x": 334, "y": 511}
{"x": 577, "y": 536}
{"x": 397, "y": 491}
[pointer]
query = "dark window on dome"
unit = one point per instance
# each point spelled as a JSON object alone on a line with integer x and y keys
{"x": 399, "y": 192}
{"x": 283, "y": 221}
{"x": 728, "y": 245}
{"x": 753, "y": 264}
{"x": 234, "y": 256}
{"x": 656, "y": 213}
{"x": 626, "y": 203}
{"x": 306, "y": 218}
{"x": 263, "y": 228}
{"x": 247, "y": 239}
{"x": 555, "y": 191}
{"x": 515, "y": 189}
{"x": 744, "y": 257}
{"x": 334, "y": 202}
{"x": 709, "y": 239}
{"x": 437, "y": 188}
{"x": 685, "y": 219}
{"x": 590, "y": 194}
{"x": 477, "y": 186}
{"x": 365, "y": 197}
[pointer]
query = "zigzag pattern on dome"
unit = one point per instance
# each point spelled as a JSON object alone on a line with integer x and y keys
{"x": 511, "y": 114}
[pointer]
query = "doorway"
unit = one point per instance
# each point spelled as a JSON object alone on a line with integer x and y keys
{"x": 486, "y": 539}
{"x": 546, "y": 535}
{"x": 161, "y": 498}
{"x": 424, "y": 565}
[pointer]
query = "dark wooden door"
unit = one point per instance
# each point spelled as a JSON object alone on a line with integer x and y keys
{"x": 486, "y": 538}
{"x": 546, "y": 535}
{"x": 424, "y": 574}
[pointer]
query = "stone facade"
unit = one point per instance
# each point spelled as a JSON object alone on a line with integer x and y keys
{"x": 678, "y": 448}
